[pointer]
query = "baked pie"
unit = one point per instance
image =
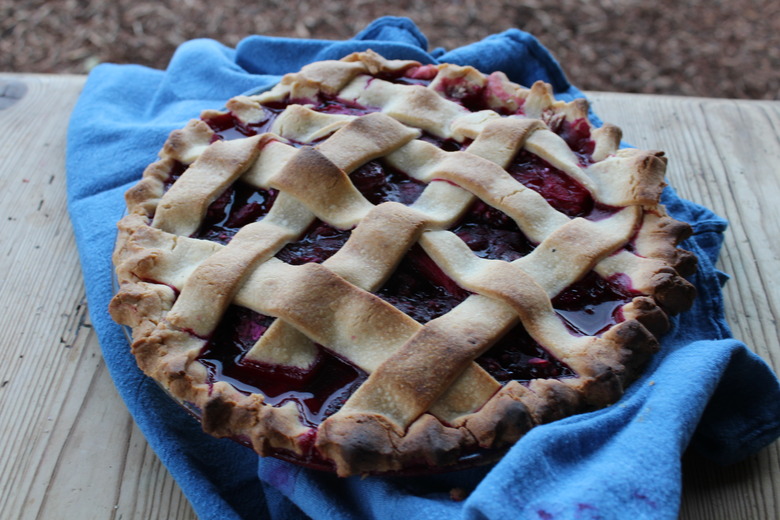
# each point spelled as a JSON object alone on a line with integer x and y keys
{"x": 379, "y": 266}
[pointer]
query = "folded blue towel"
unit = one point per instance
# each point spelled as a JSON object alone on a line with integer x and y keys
{"x": 704, "y": 388}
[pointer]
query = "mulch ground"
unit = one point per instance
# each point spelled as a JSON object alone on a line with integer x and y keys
{"x": 726, "y": 48}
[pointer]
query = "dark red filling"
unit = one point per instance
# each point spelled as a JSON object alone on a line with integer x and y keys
{"x": 492, "y": 234}
{"x": 592, "y": 304}
{"x": 577, "y": 136}
{"x": 588, "y": 307}
{"x": 173, "y": 175}
{"x": 379, "y": 183}
{"x": 464, "y": 94}
{"x": 333, "y": 105}
{"x": 227, "y": 126}
{"x": 418, "y": 286}
{"x": 469, "y": 95}
{"x": 318, "y": 244}
{"x": 448, "y": 145}
{"x": 518, "y": 357}
{"x": 561, "y": 191}
{"x": 237, "y": 206}
{"x": 318, "y": 391}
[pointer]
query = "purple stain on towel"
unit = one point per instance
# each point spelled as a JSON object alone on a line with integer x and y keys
{"x": 282, "y": 477}
{"x": 644, "y": 498}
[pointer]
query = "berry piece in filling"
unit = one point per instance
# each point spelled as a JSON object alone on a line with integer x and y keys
{"x": 318, "y": 244}
{"x": 332, "y": 105}
{"x": 492, "y": 234}
{"x": 577, "y": 136}
{"x": 464, "y": 93}
{"x": 448, "y": 145}
{"x": 318, "y": 391}
{"x": 227, "y": 126}
{"x": 561, "y": 191}
{"x": 237, "y": 206}
{"x": 519, "y": 357}
{"x": 176, "y": 171}
{"x": 379, "y": 183}
{"x": 419, "y": 288}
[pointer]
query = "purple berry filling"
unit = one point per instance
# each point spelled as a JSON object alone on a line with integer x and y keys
{"x": 517, "y": 357}
{"x": 593, "y": 304}
{"x": 173, "y": 175}
{"x": 577, "y": 136}
{"x": 227, "y": 126}
{"x": 318, "y": 244}
{"x": 419, "y": 288}
{"x": 561, "y": 191}
{"x": 318, "y": 391}
{"x": 379, "y": 183}
{"x": 237, "y": 206}
{"x": 492, "y": 234}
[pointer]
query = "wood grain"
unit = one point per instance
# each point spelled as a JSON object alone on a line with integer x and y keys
{"x": 69, "y": 448}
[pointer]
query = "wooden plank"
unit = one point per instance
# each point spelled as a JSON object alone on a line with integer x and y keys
{"x": 69, "y": 449}
{"x": 724, "y": 154}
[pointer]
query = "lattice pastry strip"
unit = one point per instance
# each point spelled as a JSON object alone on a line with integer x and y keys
{"x": 487, "y": 277}
{"x": 418, "y": 391}
{"x": 274, "y": 337}
{"x": 202, "y": 301}
{"x": 203, "y": 282}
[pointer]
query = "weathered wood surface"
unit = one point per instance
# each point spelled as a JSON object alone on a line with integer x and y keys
{"x": 69, "y": 448}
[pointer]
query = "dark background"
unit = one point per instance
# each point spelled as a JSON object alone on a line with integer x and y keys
{"x": 710, "y": 48}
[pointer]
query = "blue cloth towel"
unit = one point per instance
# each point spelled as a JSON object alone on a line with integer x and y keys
{"x": 704, "y": 388}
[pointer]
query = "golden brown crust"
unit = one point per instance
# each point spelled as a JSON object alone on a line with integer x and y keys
{"x": 182, "y": 208}
{"x": 606, "y": 141}
{"x": 425, "y": 402}
{"x": 641, "y": 174}
{"x": 644, "y": 310}
{"x": 187, "y": 144}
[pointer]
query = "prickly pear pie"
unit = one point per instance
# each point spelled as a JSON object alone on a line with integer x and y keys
{"x": 381, "y": 266}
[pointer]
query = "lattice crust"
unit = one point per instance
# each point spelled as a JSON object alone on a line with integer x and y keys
{"x": 425, "y": 401}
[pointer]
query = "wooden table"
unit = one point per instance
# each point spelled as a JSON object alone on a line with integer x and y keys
{"x": 69, "y": 449}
